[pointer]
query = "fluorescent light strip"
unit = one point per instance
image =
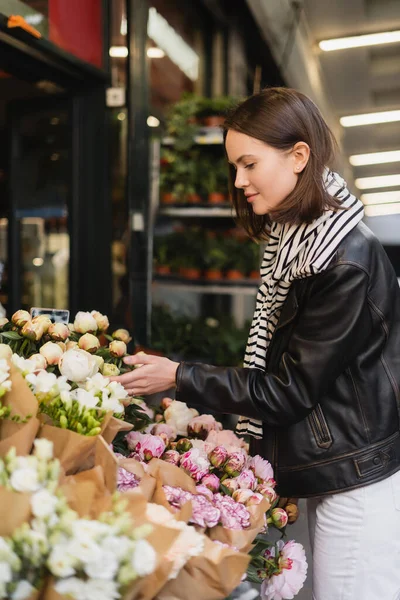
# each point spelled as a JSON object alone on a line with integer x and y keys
{"x": 118, "y": 51}
{"x": 384, "y": 209}
{"x": 374, "y": 158}
{"x": 368, "y": 183}
{"x": 358, "y": 41}
{"x": 388, "y": 116}
{"x": 380, "y": 197}
{"x": 155, "y": 53}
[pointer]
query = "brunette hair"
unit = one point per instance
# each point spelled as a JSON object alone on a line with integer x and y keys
{"x": 281, "y": 117}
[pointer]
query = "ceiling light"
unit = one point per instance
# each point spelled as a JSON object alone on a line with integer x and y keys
{"x": 155, "y": 53}
{"x": 37, "y": 262}
{"x": 357, "y": 41}
{"x": 388, "y": 116}
{"x": 384, "y": 209}
{"x": 153, "y": 121}
{"x": 380, "y": 197}
{"x": 118, "y": 51}
{"x": 374, "y": 158}
{"x": 365, "y": 183}
{"x": 121, "y": 116}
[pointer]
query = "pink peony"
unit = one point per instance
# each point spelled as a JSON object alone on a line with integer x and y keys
{"x": 267, "y": 491}
{"x": 261, "y": 468}
{"x": 255, "y": 499}
{"x": 231, "y": 484}
{"x": 242, "y": 495}
{"x": 279, "y": 518}
{"x": 246, "y": 480}
{"x": 204, "y": 513}
{"x": 195, "y": 463}
{"x": 176, "y": 496}
{"x": 211, "y": 481}
{"x": 163, "y": 428}
{"x": 233, "y": 514}
{"x": 205, "y": 491}
{"x": 293, "y": 571}
{"x": 202, "y": 425}
{"x": 126, "y": 480}
{"x": 150, "y": 446}
{"x": 132, "y": 439}
{"x": 235, "y": 463}
{"x": 218, "y": 456}
{"x": 171, "y": 456}
{"x": 226, "y": 438}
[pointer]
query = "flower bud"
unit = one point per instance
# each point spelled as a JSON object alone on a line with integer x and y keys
{"x": 218, "y": 456}
{"x": 267, "y": 491}
{"x": 150, "y": 446}
{"x": 278, "y": 518}
{"x": 58, "y": 332}
{"x": 62, "y": 346}
{"x": 3, "y": 321}
{"x": 211, "y": 481}
{"x": 39, "y": 361}
{"x": 184, "y": 445}
{"x": 242, "y": 496}
{"x": 117, "y": 349}
{"x": 123, "y": 335}
{"x": 255, "y": 499}
{"x": 33, "y": 331}
{"x": 109, "y": 370}
{"x": 5, "y": 351}
{"x": 89, "y": 342}
{"x": 44, "y": 321}
{"x": 231, "y": 484}
{"x": 101, "y": 320}
{"x": 51, "y": 352}
{"x": 85, "y": 323}
{"x": 165, "y": 403}
{"x": 70, "y": 345}
{"x": 20, "y": 317}
{"x": 235, "y": 463}
{"x": 171, "y": 456}
{"x": 99, "y": 360}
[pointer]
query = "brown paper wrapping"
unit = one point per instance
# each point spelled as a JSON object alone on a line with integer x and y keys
{"x": 86, "y": 492}
{"x": 15, "y": 509}
{"x": 113, "y": 427}
{"x": 23, "y": 403}
{"x": 211, "y": 576}
{"x": 106, "y": 458}
{"x": 147, "y": 482}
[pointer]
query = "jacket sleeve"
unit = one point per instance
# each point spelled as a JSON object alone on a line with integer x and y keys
{"x": 332, "y": 328}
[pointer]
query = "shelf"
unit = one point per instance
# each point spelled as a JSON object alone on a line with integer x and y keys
{"x": 243, "y": 287}
{"x": 207, "y": 136}
{"x": 197, "y": 211}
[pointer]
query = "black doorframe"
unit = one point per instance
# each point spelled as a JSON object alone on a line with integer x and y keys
{"x": 90, "y": 224}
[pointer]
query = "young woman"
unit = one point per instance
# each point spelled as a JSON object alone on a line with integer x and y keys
{"x": 319, "y": 392}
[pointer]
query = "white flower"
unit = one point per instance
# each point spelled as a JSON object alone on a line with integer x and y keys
{"x": 101, "y": 590}
{"x": 5, "y": 351}
{"x": 74, "y": 587}
{"x": 120, "y": 546}
{"x": 23, "y": 590}
{"x": 189, "y": 543}
{"x": 95, "y": 384}
{"x": 60, "y": 563}
{"x": 5, "y": 573}
{"x": 144, "y": 558}
{"x": 105, "y": 567}
{"x": 51, "y": 352}
{"x": 39, "y": 361}
{"x": 85, "y": 323}
{"x": 87, "y": 399}
{"x": 85, "y": 550}
{"x": 25, "y": 480}
{"x": 117, "y": 390}
{"x": 43, "y": 382}
{"x": 43, "y": 504}
{"x": 43, "y": 449}
{"x": 178, "y": 415}
{"x": 86, "y": 528}
{"x": 112, "y": 404}
{"x": 77, "y": 365}
{"x": 23, "y": 365}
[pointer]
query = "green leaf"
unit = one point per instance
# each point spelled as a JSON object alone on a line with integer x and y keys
{"x": 11, "y": 335}
{"x": 108, "y": 337}
{"x": 225, "y": 490}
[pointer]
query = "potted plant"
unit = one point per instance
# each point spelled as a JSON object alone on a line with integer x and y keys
{"x": 217, "y": 181}
{"x": 182, "y": 122}
{"x": 215, "y": 258}
{"x": 236, "y": 266}
{"x": 212, "y": 111}
{"x": 162, "y": 255}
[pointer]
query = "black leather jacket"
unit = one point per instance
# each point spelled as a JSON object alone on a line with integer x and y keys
{"x": 330, "y": 400}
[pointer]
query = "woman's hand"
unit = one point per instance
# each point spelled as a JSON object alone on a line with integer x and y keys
{"x": 155, "y": 374}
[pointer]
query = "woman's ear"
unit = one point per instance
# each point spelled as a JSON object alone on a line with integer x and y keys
{"x": 301, "y": 154}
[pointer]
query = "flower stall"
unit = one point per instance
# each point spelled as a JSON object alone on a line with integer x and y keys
{"x": 105, "y": 497}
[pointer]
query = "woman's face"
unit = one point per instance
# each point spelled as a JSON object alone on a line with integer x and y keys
{"x": 266, "y": 175}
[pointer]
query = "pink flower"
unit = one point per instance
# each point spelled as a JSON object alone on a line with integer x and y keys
{"x": 235, "y": 463}
{"x": 211, "y": 481}
{"x": 165, "y": 403}
{"x": 267, "y": 491}
{"x": 132, "y": 439}
{"x": 292, "y": 575}
{"x": 218, "y": 456}
{"x": 242, "y": 495}
{"x": 279, "y": 518}
{"x": 233, "y": 514}
{"x": 226, "y": 438}
{"x": 255, "y": 499}
{"x": 195, "y": 463}
{"x": 261, "y": 468}
{"x": 204, "y": 513}
{"x": 247, "y": 480}
{"x": 126, "y": 480}
{"x": 202, "y": 425}
{"x": 150, "y": 446}
{"x": 171, "y": 456}
{"x": 160, "y": 428}
{"x": 231, "y": 484}
{"x": 176, "y": 496}
{"x": 205, "y": 491}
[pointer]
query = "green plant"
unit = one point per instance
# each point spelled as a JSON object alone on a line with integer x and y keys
{"x": 215, "y": 254}
{"x": 220, "y": 105}
{"x": 181, "y": 121}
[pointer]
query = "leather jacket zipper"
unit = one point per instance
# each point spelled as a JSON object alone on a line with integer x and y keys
{"x": 320, "y": 428}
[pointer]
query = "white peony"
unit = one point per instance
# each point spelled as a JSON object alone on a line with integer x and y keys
{"x": 25, "y": 480}
{"x": 85, "y": 323}
{"x": 144, "y": 558}
{"x": 43, "y": 504}
{"x": 105, "y": 567}
{"x": 43, "y": 449}
{"x": 87, "y": 399}
{"x": 178, "y": 415}
{"x": 52, "y": 352}
{"x": 39, "y": 361}
{"x": 60, "y": 563}
{"x": 23, "y": 590}
{"x": 77, "y": 365}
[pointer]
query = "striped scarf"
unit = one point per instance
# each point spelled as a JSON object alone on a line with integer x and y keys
{"x": 294, "y": 252}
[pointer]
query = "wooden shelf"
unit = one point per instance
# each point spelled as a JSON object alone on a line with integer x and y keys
{"x": 206, "y": 136}
{"x": 197, "y": 211}
{"x": 243, "y": 287}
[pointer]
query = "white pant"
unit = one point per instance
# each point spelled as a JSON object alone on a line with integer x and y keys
{"x": 355, "y": 537}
